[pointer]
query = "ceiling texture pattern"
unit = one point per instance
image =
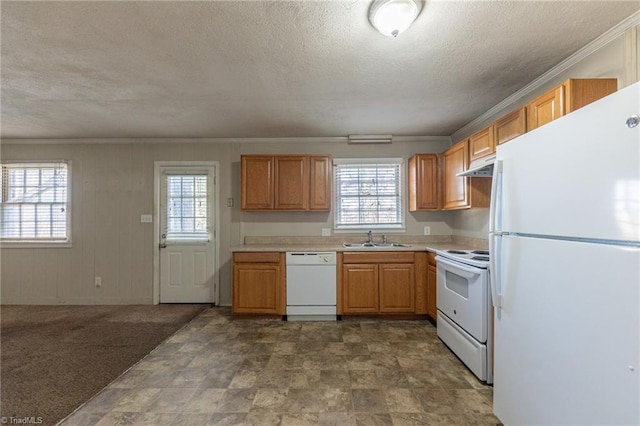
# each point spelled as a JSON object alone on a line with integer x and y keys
{"x": 240, "y": 69}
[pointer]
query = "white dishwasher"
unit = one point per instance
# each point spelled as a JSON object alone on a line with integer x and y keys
{"x": 311, "y": 286}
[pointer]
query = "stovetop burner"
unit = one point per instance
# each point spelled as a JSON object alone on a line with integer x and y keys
{"x": 481, "y": 252}
{"x": 483, "y": 258}
{"x": 479, "y": 258}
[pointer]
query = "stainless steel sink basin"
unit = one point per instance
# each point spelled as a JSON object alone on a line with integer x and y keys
{"x": 357, "y": 245}
{"x": 390, "y": 245}
{"x": 373, "y": 245}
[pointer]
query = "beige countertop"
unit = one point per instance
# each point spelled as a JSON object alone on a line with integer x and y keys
{"x": 339, "y": 248}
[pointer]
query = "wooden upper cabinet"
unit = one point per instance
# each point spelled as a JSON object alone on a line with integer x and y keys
{"x": 285, "y": 182}
{"x": 456, "y": 160}
{"x": 462, "y": 192}
{"x": 566, "y": 98}
{"x": 482, "y": 143}
{"x": 510, "y": 126}
{"x": 545, "y": 108}
{"x": 257, "y": 182}
{"x": 292, "y": 183}
{"x": 320, "y": 183}
{"x": 424, "y": 185}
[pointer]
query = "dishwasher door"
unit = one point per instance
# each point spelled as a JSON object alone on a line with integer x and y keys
{"x": 311, "y": 286}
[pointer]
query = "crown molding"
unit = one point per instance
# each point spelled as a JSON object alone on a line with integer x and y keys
{"x": 597, "y": 44}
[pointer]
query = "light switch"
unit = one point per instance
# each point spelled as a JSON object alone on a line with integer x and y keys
{"x": 146, "y": 218}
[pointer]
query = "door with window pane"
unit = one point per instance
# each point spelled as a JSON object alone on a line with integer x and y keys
{"x": 187, "y": 257}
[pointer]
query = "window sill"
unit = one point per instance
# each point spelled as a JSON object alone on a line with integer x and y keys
{"x": 34, "y": 244}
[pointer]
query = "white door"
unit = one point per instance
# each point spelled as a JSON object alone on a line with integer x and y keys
{"x": 187, "y": 246}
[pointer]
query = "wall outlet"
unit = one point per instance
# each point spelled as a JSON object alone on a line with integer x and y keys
{"x": 326, "y": 232}
{"x": 98, "y": 281}
{"x": 427, "y": 230}
{"x": 146, "y": 218}
{"x": 229, "y": 202}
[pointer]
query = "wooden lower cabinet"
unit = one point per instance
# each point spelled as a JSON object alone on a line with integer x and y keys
{"x": 432, "y": 280}
{"x": 258, "y": 283}
{"x": 397, "y": 288}
{"x": 377, "y": 284}
{"x": 360, "y": 288}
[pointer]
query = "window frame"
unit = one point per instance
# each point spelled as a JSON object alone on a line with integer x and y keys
{"x": 34, "y": 242}
{"x": 346, "y": 228}
{"x": 186, "y": 237}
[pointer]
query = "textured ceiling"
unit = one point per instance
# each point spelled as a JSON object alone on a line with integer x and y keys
{"x": 274, "y": 68}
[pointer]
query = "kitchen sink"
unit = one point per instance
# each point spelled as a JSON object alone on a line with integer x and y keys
{"x": 373, "y": 245}
{"x": 357, "y": 245}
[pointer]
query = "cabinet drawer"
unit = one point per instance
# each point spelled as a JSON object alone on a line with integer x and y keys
{"x": 256, "y": 257}
{"x": 378, "y": 257}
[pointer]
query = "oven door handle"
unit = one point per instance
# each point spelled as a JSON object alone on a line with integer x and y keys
{"x": 458, "y": 266}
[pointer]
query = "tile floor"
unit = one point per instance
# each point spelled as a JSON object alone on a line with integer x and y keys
{"x": 221, "y": 371}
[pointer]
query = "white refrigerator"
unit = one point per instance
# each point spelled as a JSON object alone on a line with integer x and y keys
{"x": 565, "y": 244}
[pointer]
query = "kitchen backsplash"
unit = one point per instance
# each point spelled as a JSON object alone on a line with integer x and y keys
{"x": 336, "y": 240}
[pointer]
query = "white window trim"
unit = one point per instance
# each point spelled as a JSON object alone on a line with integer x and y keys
{"x": 42, "y": 243}
{"x": 401, "y": 228}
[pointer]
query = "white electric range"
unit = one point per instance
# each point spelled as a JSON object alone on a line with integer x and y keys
{"x": 465, "y": 314}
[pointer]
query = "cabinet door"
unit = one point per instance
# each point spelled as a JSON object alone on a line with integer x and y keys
{"x": 292, "y": 183}
{"x": 581, "y": 92}
{"x": 256, "y": 288}
{"x": 397, "y": 288}
{"x": 257, "y": 182}
{"x": 320, "y": 183}
{"x": 432, "y": 308}
{"x": 481, "y": 143}
{"x": 545, "y": 108}
{"x": 359, "y": 288}
{"x": 510, "y": 126}
{"x": 456, "y": 160}
{"x": 423, "y": 182}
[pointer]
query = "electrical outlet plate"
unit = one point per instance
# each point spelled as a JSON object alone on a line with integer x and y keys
{"x": 229, "y": 202}
{"x": 146, "y": 218}
{"x": 326, "y": 232}
{"x": 427, "y": 230}
{"x": 98, "y": 281}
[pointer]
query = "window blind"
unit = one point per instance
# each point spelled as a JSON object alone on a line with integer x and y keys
{"x": 187, "y": 212}
{"x": 368, "y": 194}
{"x": 34, "y": 201}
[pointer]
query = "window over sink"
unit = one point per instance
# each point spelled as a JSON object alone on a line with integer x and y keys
{"x": 368, "y": 193}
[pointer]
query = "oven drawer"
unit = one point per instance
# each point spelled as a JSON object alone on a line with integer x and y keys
{"x": 463, "y": 296}
{"x": 472, "y": 353}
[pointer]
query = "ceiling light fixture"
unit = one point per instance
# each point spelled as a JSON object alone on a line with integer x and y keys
{"x": 392, "y": 17}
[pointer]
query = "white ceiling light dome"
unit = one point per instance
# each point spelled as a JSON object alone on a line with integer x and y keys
{"x": 392, "y": 17}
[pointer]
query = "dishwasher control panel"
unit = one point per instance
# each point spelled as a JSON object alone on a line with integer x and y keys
{"x": 311, "y": 258}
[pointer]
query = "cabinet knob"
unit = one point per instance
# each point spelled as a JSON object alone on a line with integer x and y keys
{"x": 633, "y": 121}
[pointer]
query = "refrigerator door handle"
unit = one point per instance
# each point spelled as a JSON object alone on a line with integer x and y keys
{"x": 495, "y": 206}
{"x": 495, "y": 248}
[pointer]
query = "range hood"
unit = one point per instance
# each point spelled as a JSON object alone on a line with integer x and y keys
{"x": 482, "y": 167}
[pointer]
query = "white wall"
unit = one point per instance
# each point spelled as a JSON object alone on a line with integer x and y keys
{"x": 112, "y": 185}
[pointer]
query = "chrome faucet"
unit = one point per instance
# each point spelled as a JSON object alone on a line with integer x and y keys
{"x": 370, "y": 237}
